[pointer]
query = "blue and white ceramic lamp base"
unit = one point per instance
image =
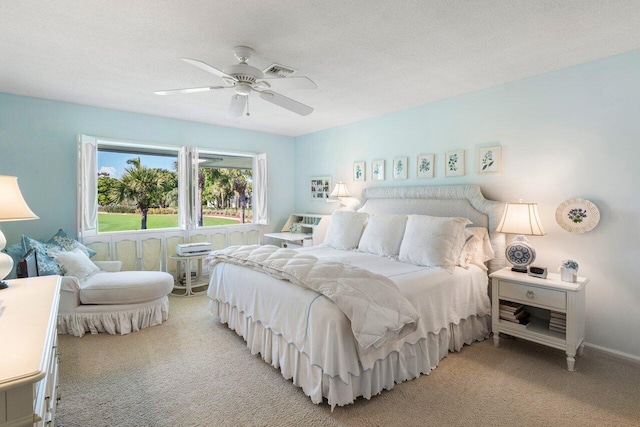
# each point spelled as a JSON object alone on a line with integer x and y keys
{"x": 520, "y": 254}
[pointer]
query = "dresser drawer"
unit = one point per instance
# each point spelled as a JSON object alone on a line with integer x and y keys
{"x": 533, "y": 295}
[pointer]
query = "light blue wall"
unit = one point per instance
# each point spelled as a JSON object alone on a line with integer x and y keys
{"x": 570, "y": 133}
{"x": 38, "y": 145}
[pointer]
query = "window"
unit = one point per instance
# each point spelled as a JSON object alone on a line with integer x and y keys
{"x": 137, "y": 188}
{"x": 225, "y": 189}
{"x": 127, "y": 186}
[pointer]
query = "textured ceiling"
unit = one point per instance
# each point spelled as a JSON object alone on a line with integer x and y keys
{"x": 368, "y": 58}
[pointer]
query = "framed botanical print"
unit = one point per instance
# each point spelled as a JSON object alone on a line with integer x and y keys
{"x": 358, "y": 171}
{"x": 320, "y": 187}
{"x": 489, "y": 159}
{"x": 454, "y": 163}
{"x": 400, "y": 166}
{"x": 377, "y": 170}
{"x": 425, "y": 164}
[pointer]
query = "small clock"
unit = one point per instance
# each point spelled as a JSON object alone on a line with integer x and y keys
{"x": 540, "y": 272}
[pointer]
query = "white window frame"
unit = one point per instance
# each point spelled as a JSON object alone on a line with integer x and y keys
{"x": 188, "y": 202}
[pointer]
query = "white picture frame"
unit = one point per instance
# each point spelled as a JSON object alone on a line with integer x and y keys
{"x": 489, "y": 160}
{"x": 454, "y": 163}
{"x": 400, "y": 167}
{"x": 377, "y": 170}
{"x": 358, "y": 171}
{"x": 425, "y": 165}
{"x": 320, "y": 188}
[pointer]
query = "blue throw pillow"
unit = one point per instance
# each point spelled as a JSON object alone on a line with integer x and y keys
{"x": 67, "y": 243}
{"x": 46, "y": 265}
{"x": 16, "y": 253}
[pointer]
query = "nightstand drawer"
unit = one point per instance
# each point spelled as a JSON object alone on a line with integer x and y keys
{"x": 533, "y": 295}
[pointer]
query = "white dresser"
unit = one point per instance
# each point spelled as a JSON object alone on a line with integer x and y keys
{"x": 28, "y": 352}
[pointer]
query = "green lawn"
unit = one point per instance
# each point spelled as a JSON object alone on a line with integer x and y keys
{"x": 124, "y": 222}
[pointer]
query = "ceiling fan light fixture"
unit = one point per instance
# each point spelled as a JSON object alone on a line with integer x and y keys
{"x": 245, "y": 78}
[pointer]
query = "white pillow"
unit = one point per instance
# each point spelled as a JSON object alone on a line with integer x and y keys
{"x": 75, "y": 263}
{"x": 345, "y": 229}
{"x": 433, "y": 241}
{"x": 477, "y": 249}
{"x": 383, "y": 234}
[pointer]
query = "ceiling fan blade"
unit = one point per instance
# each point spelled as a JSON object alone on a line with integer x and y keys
{"x": 289, "y": 83}
{"x": 208, "y": 68}
{"x": 236, "y": 108}
{"x": 287, "y": 103}
{"x": 190, "y": 90}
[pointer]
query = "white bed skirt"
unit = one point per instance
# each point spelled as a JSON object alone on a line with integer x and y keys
{"x": 419, "y": 358}
{"x": 114, "y": 319}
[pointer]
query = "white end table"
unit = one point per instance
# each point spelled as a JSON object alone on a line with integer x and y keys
{"x": 188, "y": 284}
{"x": 550, "y": 294}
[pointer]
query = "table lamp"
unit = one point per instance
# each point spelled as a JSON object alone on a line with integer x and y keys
{"x": 520, "y": 219}
{"x": 12, "y": 208}
{"x": 339, "y": 193}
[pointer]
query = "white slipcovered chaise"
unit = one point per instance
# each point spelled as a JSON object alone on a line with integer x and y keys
{"x": 113, "y": 301}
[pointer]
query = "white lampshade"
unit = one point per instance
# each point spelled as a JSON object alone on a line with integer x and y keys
{"x": 521, "y": 218}
{"x": 340, "y": 190}
{"x": 12, "y": 208}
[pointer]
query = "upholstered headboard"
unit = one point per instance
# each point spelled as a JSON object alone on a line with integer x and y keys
{"x": 445, "y": 201}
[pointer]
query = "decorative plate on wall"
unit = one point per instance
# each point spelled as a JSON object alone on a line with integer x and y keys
{"x": 577, "y": 215}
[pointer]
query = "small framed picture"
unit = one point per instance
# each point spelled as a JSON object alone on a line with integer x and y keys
{"x": 425, "y": 164}
{"x": 320, "y": 187}
{"x": 358, "y": 171}
{"x": 454, "y": 163}
{"x": 400, "y": 166}
{"x": 489, "y": 159}
{"x": 377, "y": 170}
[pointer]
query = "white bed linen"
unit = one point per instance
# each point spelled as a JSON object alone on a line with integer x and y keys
{"x": 315, "y": 326}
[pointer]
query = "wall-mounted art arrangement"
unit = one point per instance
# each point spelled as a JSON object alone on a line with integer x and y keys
{"x": 377, "y": 170}
{"x": 400, "y": 166}
{"x": 489, "y": 159}
{"x": 454, "y": 163}
{"x": 358, "y": 171}
{"x": 425, "y": 165}
{"x": 320, "y": 187}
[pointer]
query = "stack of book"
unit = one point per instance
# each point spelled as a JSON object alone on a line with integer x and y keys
{"x": 513, "y": 312}
{"x": 558, "y": 322}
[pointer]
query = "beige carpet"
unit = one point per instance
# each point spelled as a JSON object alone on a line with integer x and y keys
{"x": 193, "y": 371}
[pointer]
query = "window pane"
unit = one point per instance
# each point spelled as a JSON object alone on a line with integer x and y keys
{"x": 224, "y": 188}
{"x": 137, "y": 189}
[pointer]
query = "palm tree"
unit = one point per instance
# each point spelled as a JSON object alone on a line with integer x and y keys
{"x": 142, "y": 185}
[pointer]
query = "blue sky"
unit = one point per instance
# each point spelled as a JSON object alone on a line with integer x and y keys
{"x": 115, "y": 163}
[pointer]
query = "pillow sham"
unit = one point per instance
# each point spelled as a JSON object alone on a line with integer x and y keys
{"x": 477, "y": 249}
{"x": 67, "y": 243}
{"x": 383, "y": 234}
{"x": 345, "y": 229}
{"x": 46, "y": 264}
{"x": 75, "y": 263}
{"x": 433, "y": 241}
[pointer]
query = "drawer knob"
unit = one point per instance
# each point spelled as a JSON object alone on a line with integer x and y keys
{"x": 530, "y": 294}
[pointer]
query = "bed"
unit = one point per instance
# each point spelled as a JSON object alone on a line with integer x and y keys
{"x": 314, "y": 343}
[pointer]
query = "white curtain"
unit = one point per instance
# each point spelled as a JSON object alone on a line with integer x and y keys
{"x": 87, "y": 203}
{"x": 260, "y": 187}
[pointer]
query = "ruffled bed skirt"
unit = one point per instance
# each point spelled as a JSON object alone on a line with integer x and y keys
{"x": 413, "y": 360}
{"x": 114, "y": 319}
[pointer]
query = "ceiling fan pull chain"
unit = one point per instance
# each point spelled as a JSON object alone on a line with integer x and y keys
{"x": 248, "y": 107}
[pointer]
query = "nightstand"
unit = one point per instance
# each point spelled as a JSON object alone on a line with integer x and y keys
{"x": 545, "y": 300}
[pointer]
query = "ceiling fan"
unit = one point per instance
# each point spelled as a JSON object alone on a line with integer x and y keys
{"x": 244, "y": 79}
